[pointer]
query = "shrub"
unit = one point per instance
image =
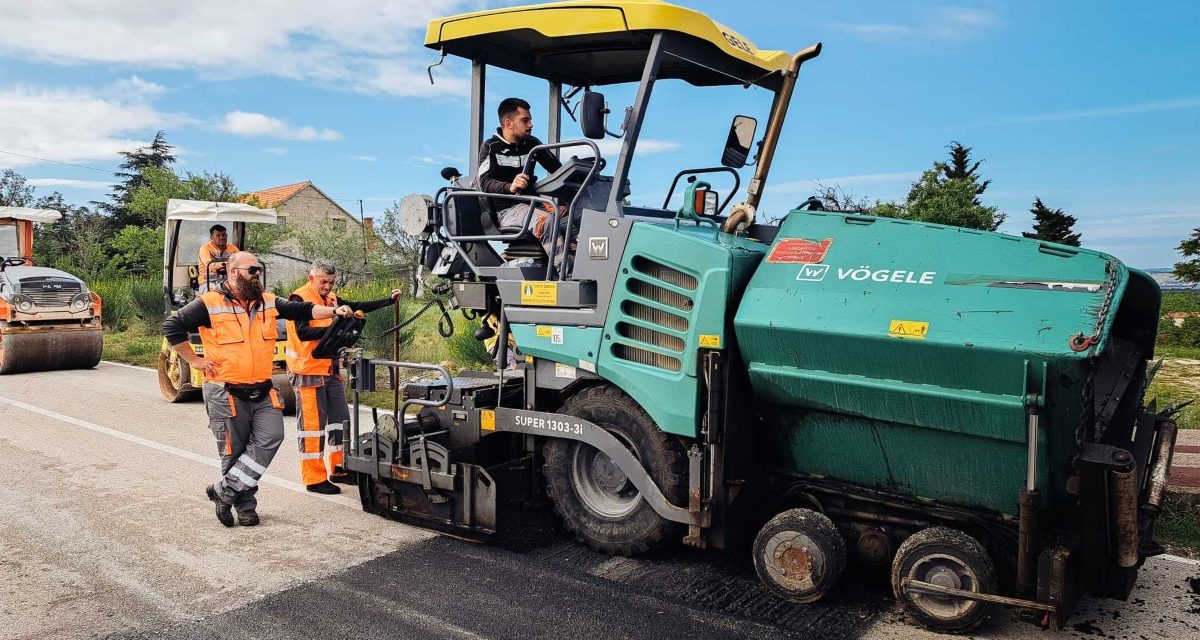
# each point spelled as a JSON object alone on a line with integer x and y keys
{"x": 146, "y": 300}
{"x": 116, "y": 307}
{"x": 464, "y": 349}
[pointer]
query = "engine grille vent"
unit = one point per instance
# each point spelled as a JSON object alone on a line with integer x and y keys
{"x": 50, "y": 292}
{"x": 648, "y": 333}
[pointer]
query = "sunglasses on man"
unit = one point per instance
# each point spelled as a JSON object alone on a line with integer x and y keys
{"x": 250, "y": 270}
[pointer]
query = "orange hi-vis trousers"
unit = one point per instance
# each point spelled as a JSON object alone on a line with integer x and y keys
{"x": 320, "y": 410}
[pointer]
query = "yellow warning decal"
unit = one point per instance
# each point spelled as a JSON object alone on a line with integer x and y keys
{"x": 908, "y": 329}
{"x": 544, "y": 332}
{"x": 487, "y": 420}
{"x": 539, "y": 294}
{"x": 710, "y": 341}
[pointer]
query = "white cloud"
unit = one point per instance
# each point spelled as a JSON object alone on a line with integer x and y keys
{"x": 361, "y": 45}
{"x": 77, "y": 125}
{"x": 243, "y": 123}
{"x": 68, "y": 182}
{"x": 363, "y": 158}
{"x": 611, "y": 147}
{"x": 940, "y": 25}
{"x": 845, "y": 182}
{"x": 1104, "y": 112}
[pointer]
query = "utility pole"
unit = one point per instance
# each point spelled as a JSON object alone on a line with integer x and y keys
{"x": 362, "y": 220}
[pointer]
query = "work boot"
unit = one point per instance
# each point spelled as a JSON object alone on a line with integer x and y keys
{"x": 247, "y": 517}
{"x": 341, "y": 478}
{"x": 224, "y": 511}
{"x": 327, "y": 488}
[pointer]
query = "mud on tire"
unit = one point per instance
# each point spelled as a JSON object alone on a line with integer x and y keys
{"x": 950, "y": 558}
{"x": 596, "y": 504}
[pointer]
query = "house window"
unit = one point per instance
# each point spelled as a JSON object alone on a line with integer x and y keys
{"x": 338, "y": 224}
{"x": 281, "y": 222}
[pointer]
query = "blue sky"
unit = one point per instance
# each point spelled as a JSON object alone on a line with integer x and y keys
{"x": 1092, "y": 106}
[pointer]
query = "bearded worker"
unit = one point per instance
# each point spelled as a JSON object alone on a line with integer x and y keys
{"x": 236, "y": 321}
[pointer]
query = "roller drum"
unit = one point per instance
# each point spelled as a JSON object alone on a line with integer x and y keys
{"x": 48, "y": 350}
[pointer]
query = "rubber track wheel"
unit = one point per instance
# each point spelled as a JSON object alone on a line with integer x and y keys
{"x": 788, "y": 567}
{"x": 660, "y": 453}
{"x": 956, "y": 544}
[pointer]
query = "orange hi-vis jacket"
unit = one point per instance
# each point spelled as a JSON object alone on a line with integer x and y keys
{"x": 300, "y": 358}
{"x": 209, "y": 253}
{"x": 242, "y": 347}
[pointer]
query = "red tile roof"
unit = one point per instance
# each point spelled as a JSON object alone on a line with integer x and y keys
{"x": 268, "y": 198}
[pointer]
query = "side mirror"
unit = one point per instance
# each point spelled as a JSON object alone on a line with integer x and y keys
{"x": 593, "y": 114}
{"x": 737, "y": 145}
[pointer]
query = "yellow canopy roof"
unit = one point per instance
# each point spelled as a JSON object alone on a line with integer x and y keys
{"x": 592, "y": 42}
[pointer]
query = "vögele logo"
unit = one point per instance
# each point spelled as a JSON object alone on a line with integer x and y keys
{"x": 812, "y": 272}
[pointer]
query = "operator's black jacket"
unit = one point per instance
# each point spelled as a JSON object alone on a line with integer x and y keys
{"x": 500, "y": 161}
{"x": 308, "y": 333}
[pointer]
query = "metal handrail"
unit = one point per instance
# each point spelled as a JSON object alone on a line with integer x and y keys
{"x": 737, "y": 184}
{"x": 399, "y": 414}
{"x": 591, "y": 177}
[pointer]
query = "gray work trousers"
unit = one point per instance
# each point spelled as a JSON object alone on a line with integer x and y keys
{"x": 541, "y": 225}
{"x": 248, "y": 434}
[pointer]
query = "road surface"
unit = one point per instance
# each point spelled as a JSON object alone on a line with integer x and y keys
{"x": 106, "y": 532}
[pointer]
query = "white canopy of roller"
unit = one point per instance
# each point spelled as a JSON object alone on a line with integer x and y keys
{"x": 203, "y": 211}
{"x": 26, "y": 213}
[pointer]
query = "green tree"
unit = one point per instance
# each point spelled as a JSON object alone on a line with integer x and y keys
{"x": 395, "y": 254}
{"x": 938, "y": 199}
{"x": 344, "y": 247}
{"x": 137, "y": 250}
{"x": 1052, "y": 225}
{"x": 1189, "y": 270}
{"x": 960, "y": 167}
{"x": 15, "y": 191}
{"x": 148, "y": 201}
{"x": 156, "y": 155}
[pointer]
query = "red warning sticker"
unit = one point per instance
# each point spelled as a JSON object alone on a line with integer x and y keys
{"x": 800, "y": 251}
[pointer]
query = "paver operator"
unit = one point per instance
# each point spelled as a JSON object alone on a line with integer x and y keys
{"x": 236, "y": 321}
{"x": 502, "y": 159}
{"x": 320, "y": 390}
{"x": 217, "y": 249}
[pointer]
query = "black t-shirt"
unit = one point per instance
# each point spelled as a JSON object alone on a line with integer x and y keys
{"x": 500, "y": 161}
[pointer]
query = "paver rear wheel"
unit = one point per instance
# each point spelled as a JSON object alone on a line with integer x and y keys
{"x": 947, "y": 558}
{"x": 799, "y": 555}
{"x": 595, "y": 500}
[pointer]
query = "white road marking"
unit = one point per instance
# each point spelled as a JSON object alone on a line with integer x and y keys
{"x": 1180, "y": 559}
{"x": 182, "y": 453}
{"x": 129, "y": 366}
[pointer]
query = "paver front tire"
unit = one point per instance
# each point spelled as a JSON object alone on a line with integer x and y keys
{"x": 595, "y": 500}
{"x": 799, "y": 555}
{"x": 947, "y": 558}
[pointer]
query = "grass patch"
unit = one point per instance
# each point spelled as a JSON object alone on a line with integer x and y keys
{"x": 138, "y": 345}
{"x": 1177, "y": 382}
{"x": 1178, "y": 527}
{"x": 1174, "y": 351}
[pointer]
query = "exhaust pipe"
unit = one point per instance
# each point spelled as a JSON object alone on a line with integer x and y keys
{"x": 1123, "y": 491}
{"x": 1160, "y": 468}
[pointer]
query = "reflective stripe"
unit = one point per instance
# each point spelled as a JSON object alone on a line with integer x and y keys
{"x": 335, "y": 448}
{"x": 333, "y": 427}
{"x": 311, "y": 456}
{"x": 221, "y": 309}
{"x": 251, "y": 464}
{"x": 249, "y": 480}
{"x": 302, "y": 433}
{"x": 269, "y": 304}
{"x": 290, "y": 353}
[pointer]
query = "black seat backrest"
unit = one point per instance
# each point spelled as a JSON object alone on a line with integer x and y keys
{"x": 464, "y": 217}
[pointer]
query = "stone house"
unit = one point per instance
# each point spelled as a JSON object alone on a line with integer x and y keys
{"x": 296, "y": 204}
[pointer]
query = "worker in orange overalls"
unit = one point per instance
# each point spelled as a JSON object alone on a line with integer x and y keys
{"x": 218, "y": 250}
{"x": 320, "y": 391}
{"x": 236, "y": 321}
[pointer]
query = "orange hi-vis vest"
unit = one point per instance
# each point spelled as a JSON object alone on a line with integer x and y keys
{"x": 300, "y": 358}
{"x": 242, "y": 348}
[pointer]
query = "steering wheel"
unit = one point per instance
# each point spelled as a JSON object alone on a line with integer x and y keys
{"x": 14, "y": 261}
